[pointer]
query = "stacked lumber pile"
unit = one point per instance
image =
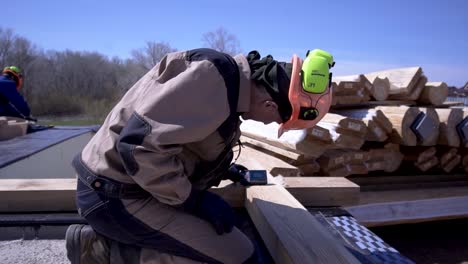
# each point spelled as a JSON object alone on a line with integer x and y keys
{"x": 11, "y": 127}
{"x": 390, "y": 121}
{"x": 351, "y": 89}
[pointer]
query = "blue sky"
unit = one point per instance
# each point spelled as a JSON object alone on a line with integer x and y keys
{"x": 363, "y": 35}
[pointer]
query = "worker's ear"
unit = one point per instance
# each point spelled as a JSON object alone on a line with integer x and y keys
{"x": 270, "y": 105}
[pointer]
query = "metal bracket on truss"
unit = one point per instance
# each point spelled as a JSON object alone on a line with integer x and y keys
{"x": 422, "y": 126}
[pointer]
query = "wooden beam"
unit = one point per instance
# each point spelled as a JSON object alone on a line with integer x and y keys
{"x": 322, "y": 191}
{"x": 295, "y": 140}
{"x": 402, "y": 118}
{"x": 378, "y": 125}
{"x": 271, "y": 164}
{"x": 430, "y": 127}
{"x": 434, "y": 93}
{"x": 23, "y": 195}
{"x": 450, "y": 159}
{"x": 290, "y": 233}
{"x": 279, "y": 151}
{"x": 346, "y": 125}
{"x": 27, "y": 195}
{"x": 380, "y": 88}
{"x": 387, "y": 159}
{"x": 415, "y": 92}
{"x": 12, "y": 128}
{"x": 402, "y": 80}
{"x": 347, "y": 140}
{"x": 449, "y": 119}
{"x": 381, "y": 214}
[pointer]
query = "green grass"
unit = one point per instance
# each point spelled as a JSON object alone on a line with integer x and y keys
{"x": 68, "y": 121}
{"x": 83, "y": 122}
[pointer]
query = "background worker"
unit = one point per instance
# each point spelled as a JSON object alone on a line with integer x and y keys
{"x": 12, "y": 102}
{"x": 143, "y": 178}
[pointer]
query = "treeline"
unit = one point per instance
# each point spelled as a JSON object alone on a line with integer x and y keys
{"x": 82, "y": 82}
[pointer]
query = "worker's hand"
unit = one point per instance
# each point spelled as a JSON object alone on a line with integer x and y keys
{"x": 211, "y": 208}
{"x": 236, "y": 173}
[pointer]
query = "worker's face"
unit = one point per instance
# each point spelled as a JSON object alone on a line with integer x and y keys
{"x": 262, "y": 107}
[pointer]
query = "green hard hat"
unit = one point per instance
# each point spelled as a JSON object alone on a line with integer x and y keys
{"x": 316, "y": 71}
{"x": 14, "y": 69}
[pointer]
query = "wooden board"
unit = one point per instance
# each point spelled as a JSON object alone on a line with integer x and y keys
{"x": 279, "y": 151}
{"x": 404, "y": 212}
{"x": 346, "y": 125}
{"x": 271, "y": 164}
{"x": 387, "y": 159}
{"x": 349, "y": 140}
{"x": 26, "y": 195}
{"x": 319, "y": 133}
{"x": 290, "y": 233}
{"x": 350, "y": 81}
{"x": 378, "y": 125}
{"x": 368, "y": 114}
{"x": 295, "y": 140}
{"x": 11, "y": 129}
{"x": 37, "y": 195}
{"x": 322, "y": 191}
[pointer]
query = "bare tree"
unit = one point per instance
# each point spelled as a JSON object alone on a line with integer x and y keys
{"x": 151, "y": 54}
{"x": 6, "y": 42}
{"x": 221, "y": 40}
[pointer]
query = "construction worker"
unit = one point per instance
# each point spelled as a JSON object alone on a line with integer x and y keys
{"x": 12, "y": 102}
{"x": 143, "y": 178}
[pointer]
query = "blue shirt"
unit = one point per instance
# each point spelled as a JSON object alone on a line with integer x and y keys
{"x": 12, "y": 102}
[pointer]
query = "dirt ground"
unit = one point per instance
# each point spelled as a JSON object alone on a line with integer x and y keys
{"x": 438, "y": 242}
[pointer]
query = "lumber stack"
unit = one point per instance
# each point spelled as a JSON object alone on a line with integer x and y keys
{"x": 341, "y": 139}
{"x": 12, "y": 127}
{"x": 379, "y": 127}
{"x": 383, "y": 122}
{"x": 351, "y": 89}
{"x": 401, "y": 86}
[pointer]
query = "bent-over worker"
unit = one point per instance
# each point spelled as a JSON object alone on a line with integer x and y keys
{"x": 143, "y": 178}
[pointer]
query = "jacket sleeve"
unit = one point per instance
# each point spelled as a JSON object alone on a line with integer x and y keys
{"x": 178, "y": 102}
{"x": 13, "y": 99}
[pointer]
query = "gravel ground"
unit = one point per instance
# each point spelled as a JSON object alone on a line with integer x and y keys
{"x": 33, "y": 252}
{"x": 439, "y": 242}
